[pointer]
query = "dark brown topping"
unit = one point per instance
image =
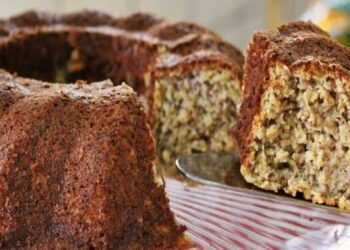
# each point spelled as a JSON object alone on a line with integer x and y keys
{"x": 209, "y": 43}
{"x": 296, "y": 26}
{"x": 137, "y": 22}
{"x": 197, "y": 59}
{"x": 174, "y": 31}
{"x": 300, "y": 40}
{"x": 87, "y": 18}
{"x": 33, "y": 18}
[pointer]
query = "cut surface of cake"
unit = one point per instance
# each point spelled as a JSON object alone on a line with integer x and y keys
{"x": 77, "y": 169}
{"x": 188, "y": 77}
{"x": 293, "y": 133}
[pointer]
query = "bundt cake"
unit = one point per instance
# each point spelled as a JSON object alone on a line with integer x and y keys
{"x": 294, "y": 128}
{"x": 77, "y": 169}
{"x": 188, "y": 77}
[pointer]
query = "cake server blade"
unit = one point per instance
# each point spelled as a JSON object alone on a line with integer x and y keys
{"x": 219, "y": 169}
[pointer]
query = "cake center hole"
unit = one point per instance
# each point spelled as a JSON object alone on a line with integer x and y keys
{"x": 67, "y": 56}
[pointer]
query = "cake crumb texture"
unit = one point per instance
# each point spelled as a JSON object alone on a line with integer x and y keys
{"x": 294, "y": 124}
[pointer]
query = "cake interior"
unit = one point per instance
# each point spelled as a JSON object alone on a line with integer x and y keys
{"x": 195, "y": 112}
{"x": 301, "y": 136}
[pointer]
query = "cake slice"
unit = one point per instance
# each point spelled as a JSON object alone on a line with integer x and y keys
{"x": 77, "y": 169}
{"x": 196, "y": 102}
{"x": 294, "y": 129}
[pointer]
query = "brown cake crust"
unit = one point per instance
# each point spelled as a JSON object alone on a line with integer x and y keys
{"x": 77, "y": 169}
{"x": 144, "y": 30}
{"x": 292, "y": 44}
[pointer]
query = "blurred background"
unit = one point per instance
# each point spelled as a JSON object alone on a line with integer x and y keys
{"x": 235, "y": 20}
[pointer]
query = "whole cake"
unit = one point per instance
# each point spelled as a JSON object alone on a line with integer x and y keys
{"x": 77, "y": 169}
{"x": 294, "y": 130}
{"x": 188, "y": 77}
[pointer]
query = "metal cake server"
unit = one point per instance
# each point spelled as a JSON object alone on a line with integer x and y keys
{"x": 219, "y": 169}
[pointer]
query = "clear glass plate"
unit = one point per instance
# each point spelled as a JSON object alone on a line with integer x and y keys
{"x": 222, "y": 212}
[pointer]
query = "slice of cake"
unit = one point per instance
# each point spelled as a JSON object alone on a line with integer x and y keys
{"x": 195, "y": 105}
{"x": 294, "y": 129}
{"x": 77, "y": 169}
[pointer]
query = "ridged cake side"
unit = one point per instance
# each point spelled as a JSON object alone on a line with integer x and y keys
{"x": 77, "y": 169}
{"x": 293, "y": 124}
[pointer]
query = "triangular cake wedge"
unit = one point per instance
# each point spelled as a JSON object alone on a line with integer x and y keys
{"x": 294, "y": 129}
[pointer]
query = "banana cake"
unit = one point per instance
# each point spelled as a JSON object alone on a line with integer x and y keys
{"x": 294, "y": 129}
{"x": 188, "y": 77}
